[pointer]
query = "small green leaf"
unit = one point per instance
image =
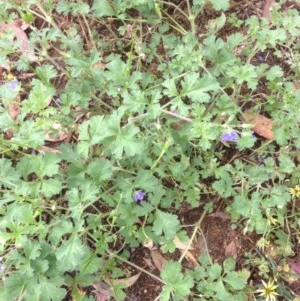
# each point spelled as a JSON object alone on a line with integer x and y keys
{"x": 274, "y": 72}
{"x": 229, "y": 264}
{"x": 221, "y": 292}
{"x": 220, "y": 4}
{"x": 8, "y": 175}
{"x": 286, "y": 164}
{"x": 32, "y": 250}
{"x": 215, "y": 271}
{"x": 165, "y": 223}
{"x": 102, "y": 8}
{"x": 176, "y": 283}
{"x": 196, "y": 87}
{"x": 45, "y": 73}
{"x": 51, "y": 187}
{"x": 71, "y": 253}
{"x": 100, "y": 170}
{"x": 50, "y": 288}
{"x": 235, "y": 280}
{"x": 48, "y": 165}
{"x": 39, "y": 97}
{"x": 125, "y": 141}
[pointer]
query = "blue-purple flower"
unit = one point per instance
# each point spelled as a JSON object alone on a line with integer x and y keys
{"x": 260, "y": 58}
{"x": 139, "y": 195}
{"x": 12, "y": 85}
{"x": 230, "y": 136}
{"x": 260, "y": 159}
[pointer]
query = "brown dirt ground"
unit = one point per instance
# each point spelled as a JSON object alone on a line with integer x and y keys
{"x": 218, "y": 237}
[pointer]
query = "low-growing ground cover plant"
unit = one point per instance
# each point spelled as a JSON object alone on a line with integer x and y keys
{"x": 149, "y": 150}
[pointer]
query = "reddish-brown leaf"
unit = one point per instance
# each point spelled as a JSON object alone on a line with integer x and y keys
{"x": 158, "y": 259}
{"x": 295, "y": 266}
{"x": 267, "y": 8}
{"x": 14, "y": 109}
{"x": 231, "y": 249}
{"x": 57, "y": 133}
{"x": 44, "y": 149}
{"x": 18, "y": 27}
{"x": 182, "y": 245}
{"x": 126, "y": 281}
{"x": 102, "y": 291}
{"x": 261, "y": 124}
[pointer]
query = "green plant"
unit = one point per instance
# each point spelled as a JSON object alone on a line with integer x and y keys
{"x": 112, "y": 123}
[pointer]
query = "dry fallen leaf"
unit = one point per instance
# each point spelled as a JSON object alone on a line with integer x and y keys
{"x": 14, "y": 109}
{"x": 45, "y": 149}
{"x": 261, "y": 124}
{"x": 267, "y": 8}
{"x": 295, "y": 266}
{"x": 18, "y": 27}
{"x": 126, "y": 281}
{"x": 221, "y": 215}
{"x": 102, "y": 291}
{"x": 57, "y": 134}
{"x": 189, "y": 256}
{"x": 77, "y": 294}
{"x": 182, "y": 245}
{"x": 158, "y": 259}
{"x": 149, "y": 263}
{"x": 231, "y": 249}
{"x": 148, "y": 243}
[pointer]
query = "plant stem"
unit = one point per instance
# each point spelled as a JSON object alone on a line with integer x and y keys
{"x": 136, "y": 266}
{"x": 196, "y": 228}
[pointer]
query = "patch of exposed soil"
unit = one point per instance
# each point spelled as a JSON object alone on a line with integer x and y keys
{"x": 146, "y": 288}
{"x": 219, "y": 240}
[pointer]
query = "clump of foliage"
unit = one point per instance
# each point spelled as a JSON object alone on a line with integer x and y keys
{"x": 123, "y": 116}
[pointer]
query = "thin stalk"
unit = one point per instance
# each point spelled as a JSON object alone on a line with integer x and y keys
{"x": 191, "y": 18}
{"x": 89, "y": 30}
{"x": 136, "y": 267}
{"x": 262, "y": 146}
{"x": 180, "y": 29}
{"x": 177, "y": 116}
{"x": 176, "y": 7}
{"x": 94, "y": 96}
{"x": 47, "y": 17}
{"x": 196, "y": 228}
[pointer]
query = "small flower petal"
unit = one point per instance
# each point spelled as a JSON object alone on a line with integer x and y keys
{"x": 268, "y": 291}
{"x": 260, "y": 58}
{"x": 12, "y": 85}
{"x": 139, "y": 195}
{"x": 295, "y": 192}
{"x": 230, "y": 136}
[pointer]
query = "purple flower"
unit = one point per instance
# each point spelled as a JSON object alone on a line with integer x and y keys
{"x": 260, "y": 58}
{"x": 230, "y": 136}
{"x": 12, "y": 85}
{"x": 33, "y": 152}
{"x": 57, "y": 100}
{"x": 260, "y": 159}
{"x": 139, "y": 195}
{"x": 1, "y": 268}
